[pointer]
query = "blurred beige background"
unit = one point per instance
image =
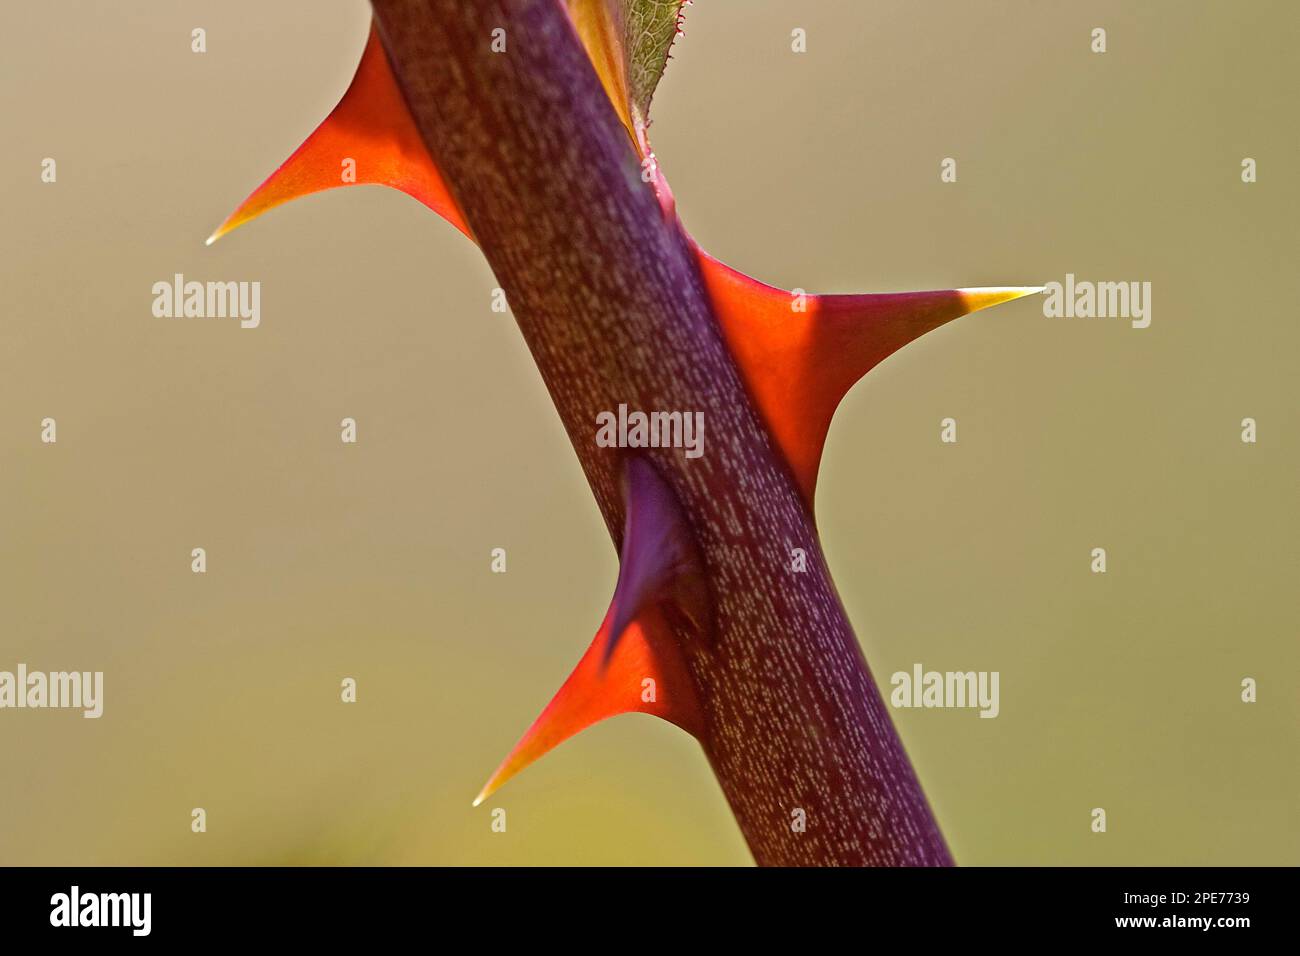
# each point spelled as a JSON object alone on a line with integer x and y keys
{"x": 817, "y": 170}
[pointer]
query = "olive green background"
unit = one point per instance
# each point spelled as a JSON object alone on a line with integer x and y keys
{"x": 818, "y": 170}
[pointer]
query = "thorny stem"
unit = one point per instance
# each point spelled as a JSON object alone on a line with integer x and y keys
{"x": 609, "y": 301}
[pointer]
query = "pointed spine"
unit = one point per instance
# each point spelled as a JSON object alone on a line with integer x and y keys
{"x": 799, "y": 354}
{"x": 370, "y": 126}
{"x": 637, "y": 660}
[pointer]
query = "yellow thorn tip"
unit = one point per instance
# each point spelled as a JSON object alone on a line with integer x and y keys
{"x": 983, "y": 298}
{"x": 233, "y": 222}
